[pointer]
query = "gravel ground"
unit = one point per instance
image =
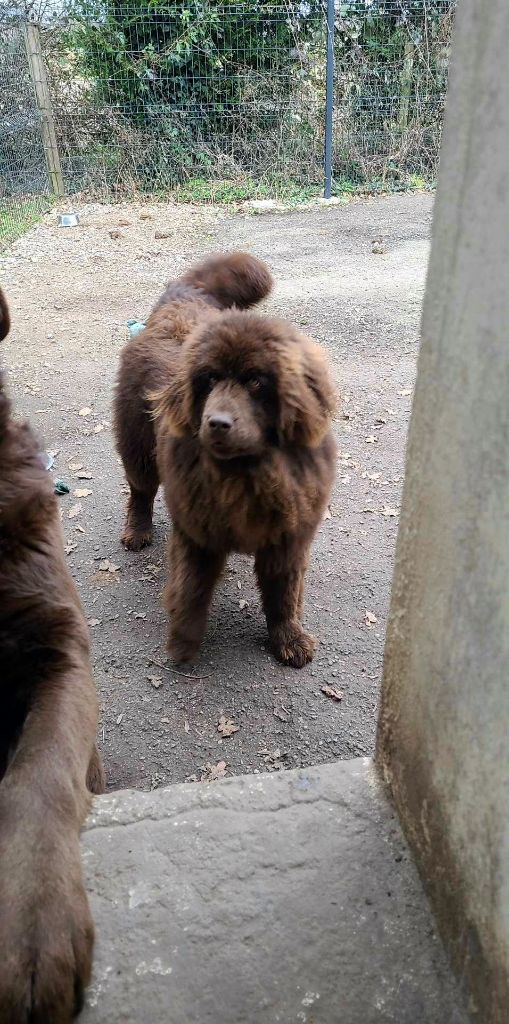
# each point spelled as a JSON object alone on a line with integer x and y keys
{"x": 71, "y": 293}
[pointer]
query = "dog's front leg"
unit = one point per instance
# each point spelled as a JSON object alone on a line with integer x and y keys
{"x": 194, "y": 572}
{"x": 46, "y": 931}
{"x": 280, "y": 572}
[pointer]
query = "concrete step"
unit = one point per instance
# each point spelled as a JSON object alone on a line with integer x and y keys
{"x": 287, "y": 897}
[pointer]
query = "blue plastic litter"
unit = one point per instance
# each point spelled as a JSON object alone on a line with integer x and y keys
{"x": 135, "y": 327}
{"x": 48, "y": 461}
{"x": 61, "y": 487}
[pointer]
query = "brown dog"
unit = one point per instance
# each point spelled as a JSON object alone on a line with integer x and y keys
{"x": 48, "y": 718}
{"x": 231, "y": 411}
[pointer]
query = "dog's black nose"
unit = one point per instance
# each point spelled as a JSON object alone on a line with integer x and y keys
{"x": 220, "y": 422}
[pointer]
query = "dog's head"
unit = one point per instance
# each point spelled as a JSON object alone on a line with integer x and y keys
{"x": 244, "y": 382}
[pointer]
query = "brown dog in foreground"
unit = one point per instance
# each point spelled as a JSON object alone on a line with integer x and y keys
{"x": 48, "y": 758}
{"x": 231, "y": 411}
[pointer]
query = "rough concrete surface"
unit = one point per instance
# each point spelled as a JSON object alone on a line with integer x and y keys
{"x": 71, "y": 293}
{"x": 445, "y": 716}
{"x": 275, "y": 898}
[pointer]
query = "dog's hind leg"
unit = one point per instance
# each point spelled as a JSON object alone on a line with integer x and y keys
{"x": 136, "y": 444}
{"x": 137, "y": 532}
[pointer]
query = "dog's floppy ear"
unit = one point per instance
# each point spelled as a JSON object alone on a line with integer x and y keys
{"x": 307, "y": 399}
{"x": 173, "y": 403}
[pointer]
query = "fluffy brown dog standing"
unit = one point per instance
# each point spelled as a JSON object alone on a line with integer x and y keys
{"x": 231, "y": 411}
{"x": 48, "y": 718}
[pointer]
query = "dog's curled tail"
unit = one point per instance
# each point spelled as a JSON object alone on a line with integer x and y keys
{"x": 235, "y": 279}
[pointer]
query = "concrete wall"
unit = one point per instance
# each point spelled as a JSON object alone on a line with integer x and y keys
{"x": 444, "y": 725}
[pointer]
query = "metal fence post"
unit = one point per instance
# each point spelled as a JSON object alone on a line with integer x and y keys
{"x": 329, "y": 99}
{"x": 43, "y": 99}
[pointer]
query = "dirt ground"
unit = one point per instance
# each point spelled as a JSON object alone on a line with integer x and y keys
{"x": 71, "y": 293}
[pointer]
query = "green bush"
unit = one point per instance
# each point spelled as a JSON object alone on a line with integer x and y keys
{"x": 150, "y": 59}
{"x": 201, "y": 89}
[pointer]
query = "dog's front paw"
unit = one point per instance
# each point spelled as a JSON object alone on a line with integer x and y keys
{"x": 292, "y": 646}
{"x": 135, "y": 540}
{"x": 46, "y": 938}
{"x": 181, "y": 649}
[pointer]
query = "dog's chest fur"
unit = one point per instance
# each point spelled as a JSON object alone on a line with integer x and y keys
{"x": 244, "y": 506}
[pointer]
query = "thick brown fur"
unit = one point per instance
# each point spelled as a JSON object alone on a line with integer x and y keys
{"x": 231, "y": 412}
{"x": 48, "y": 758}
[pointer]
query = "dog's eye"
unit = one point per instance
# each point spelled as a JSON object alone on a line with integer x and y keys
{"x": 254, "y": 384}
{"x": 205, "y": 381}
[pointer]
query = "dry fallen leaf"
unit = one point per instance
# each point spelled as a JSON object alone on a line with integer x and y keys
{"x": 83, "y": 474}
{"x": 327, "y": 514}
{"x": 387, "y": 511}
{"x": 243, "y": 604}
{"x": 85, "y": 411}
{"x": 82, "y": 492}
{"x": 371, "y": 439}
{"x": 98, "y": 428}
{"x": 155, "y": 681}
{"x": 94, "y": 622}
{"x": 70, "y": 547}
{"x": 273, "y": 758}
{"x": 369, "y": 618}
{"x": 226, "y": 727}
{"x": 106, "y": 566}
{"x": 404, "y": 393}
{"x": 281, "y": 713}
{"x": 211, "y": 772}
{"x": 79, "y": 528}
{"x": 140, "y": 615}
{"x": 186, "y": 725}
{"x": 330, "y": 691}
{"x": 74, "y": 511}
{"x": 74, "y": 466}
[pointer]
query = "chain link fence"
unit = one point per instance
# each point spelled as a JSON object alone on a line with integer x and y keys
{"x": 206, "y": 100}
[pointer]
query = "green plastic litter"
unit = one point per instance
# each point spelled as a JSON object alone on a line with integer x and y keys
{"x": 61, "y": 487}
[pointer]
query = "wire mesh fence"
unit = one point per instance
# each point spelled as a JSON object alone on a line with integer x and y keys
{"x": 23, "y": 171}
{"x": 212, "y": 100}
